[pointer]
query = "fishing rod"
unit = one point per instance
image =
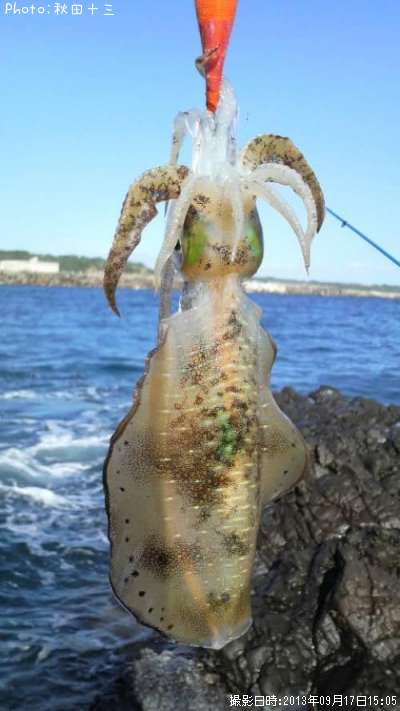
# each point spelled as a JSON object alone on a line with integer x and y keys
{"x": 364, "y": 237}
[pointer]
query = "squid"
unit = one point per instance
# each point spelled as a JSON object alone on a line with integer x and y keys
{"x": 204, "y": 447}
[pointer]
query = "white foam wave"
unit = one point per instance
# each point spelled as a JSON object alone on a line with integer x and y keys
{"x": 59, "y": 452}
{"x": 91, "y": 393}
{"x": 66, "y": 445}
{"x": 39, "y": 495}
{"x": 23, "y": 463}
{"x": 19, "y": 395}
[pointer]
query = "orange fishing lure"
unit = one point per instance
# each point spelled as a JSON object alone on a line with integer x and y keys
{"x": 215, "y": 19}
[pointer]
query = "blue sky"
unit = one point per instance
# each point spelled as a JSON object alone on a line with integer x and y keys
{"x": 88, "y": 103}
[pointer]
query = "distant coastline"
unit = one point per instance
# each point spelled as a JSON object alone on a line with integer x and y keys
{"x": 143, "y": 279}
{"x": 88, "y": 272}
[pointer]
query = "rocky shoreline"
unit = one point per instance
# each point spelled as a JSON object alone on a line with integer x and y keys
{"x": 145, "y": 280}
{"x": 326, "y": 593}
{"x": 89, "y": 279}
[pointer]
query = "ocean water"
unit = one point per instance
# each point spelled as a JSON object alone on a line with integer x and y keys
{"x": 67, "y": 371}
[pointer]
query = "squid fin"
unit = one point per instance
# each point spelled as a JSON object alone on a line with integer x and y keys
{"x": 284, "y": 457}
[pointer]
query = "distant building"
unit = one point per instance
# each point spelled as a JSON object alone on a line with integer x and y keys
{"x": 29, "y": 265}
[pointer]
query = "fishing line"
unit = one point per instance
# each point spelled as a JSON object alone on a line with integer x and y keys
{"x": 364, "y": 237}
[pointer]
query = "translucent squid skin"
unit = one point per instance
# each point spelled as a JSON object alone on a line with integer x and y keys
{"x": 191, "y": 467}
{"x": 204, "y": 446}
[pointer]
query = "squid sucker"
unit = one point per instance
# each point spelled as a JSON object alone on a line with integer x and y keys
{"x": 204, "y": 446}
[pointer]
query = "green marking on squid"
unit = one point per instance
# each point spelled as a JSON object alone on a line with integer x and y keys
{"x": 227, "y": 444}
{"x": 194, "y": 243}
{"x": 252, "y": 237}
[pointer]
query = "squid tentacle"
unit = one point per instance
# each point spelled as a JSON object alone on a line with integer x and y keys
{"x": 185, "y": 122}
{"x": 269, "y": 148}
{"x": 139, "y": 208}
{"x": 260, "y": 190}
{"x": 167, "y": 282}
{"x": 233, "y": 189}
{"x": 176, "y": 218}
{"x": 288, "y": 176}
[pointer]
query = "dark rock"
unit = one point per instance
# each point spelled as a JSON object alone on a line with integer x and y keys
{"x": 326, "y": 581}
{"x": 394, "y": 435}
{"x": 182, "y": 682}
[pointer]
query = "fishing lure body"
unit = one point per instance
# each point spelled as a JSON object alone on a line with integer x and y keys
{"x": 204, "y": 446}
{"x": 215, "y": 19}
